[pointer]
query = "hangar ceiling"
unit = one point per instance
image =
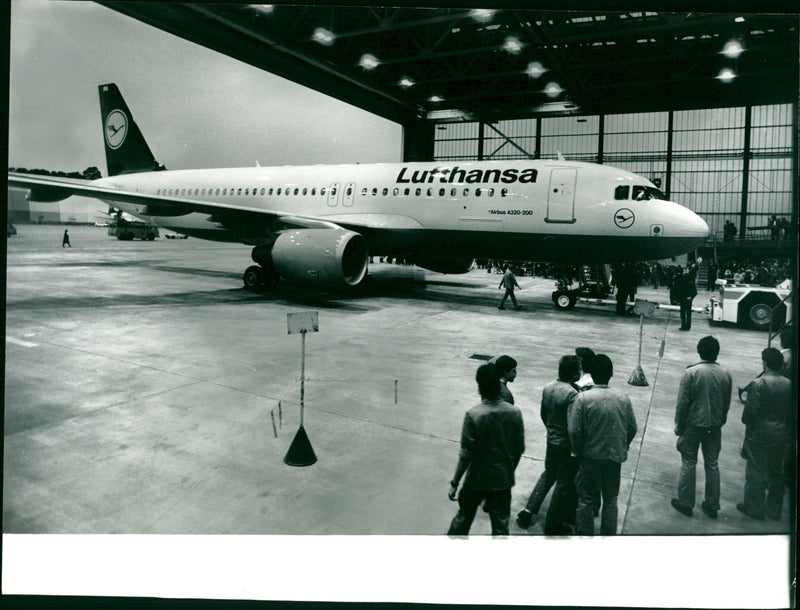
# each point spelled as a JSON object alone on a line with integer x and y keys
{"x": 453, "y": 64}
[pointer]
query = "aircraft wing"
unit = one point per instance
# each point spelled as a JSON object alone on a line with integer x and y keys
{"x": 46, "y": 188}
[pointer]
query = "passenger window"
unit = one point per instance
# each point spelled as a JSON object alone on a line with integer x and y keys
{"x": 217, "y": 192}
{"x": 503, "y": 192}
{"x": 453, "y": 192}
{"x": 322, "y": 191}
{"x": 375, "y": 192}
{"x": 333, "y": 191}
{"x": 305, "y": 191}
{"x": 441, "y": 192}
{"x": 246, "y": 191}
{"x": 196, "y": 192}
{"x": 314, "y": 191}
{"x": 430, "y": 192}
{"x": 491, "y": 192}
{"x": 279, "y": 191}
{"x": 418, "y": 192}
{"x": 239, "y": 191}
{"x": 296, "y": 191}
{"x": 466, "y": 192}
{"x": 262, "y": 191}
{"x": 364, "y": 192}
{"x": 385, "y": 192}
{"x": 406, "y": 192}
{"x": 478, "y": 192}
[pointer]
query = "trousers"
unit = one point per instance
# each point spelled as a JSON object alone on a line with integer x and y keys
{"x": 496, "y": 503}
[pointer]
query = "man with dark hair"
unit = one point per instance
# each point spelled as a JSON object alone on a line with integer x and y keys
{"x": 704, "y": 398}
{"x": 766, "y": 417}
{"x": 601, "y": 428}
{"x": 492, "y": 442}
{"x": 507, "y": 370}
{"x": 559, "y": 465}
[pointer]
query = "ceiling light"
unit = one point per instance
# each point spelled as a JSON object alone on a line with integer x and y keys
{"x": 435, "y": 98}
{"x": 368, "y": 61}
{"x": 553, "y": 90}
{"x": 481, "y": 14}
{"x": 406, "y": 82}
{"x": 323, "y": 36}
{"x": 535, "y": 69}
{"x": 726, "y": 75}
{"x": 732, "y": 49}
{"x": 512, "y": 45}
{"x": 263, "y": 8}
{"x": 739, "y": 20}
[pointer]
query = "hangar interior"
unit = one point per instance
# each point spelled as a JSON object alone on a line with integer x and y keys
{"x": 704, "y": 104}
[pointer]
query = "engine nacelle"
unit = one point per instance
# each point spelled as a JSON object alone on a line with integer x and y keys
{"x": 332, "y": 257}
{"x": 445, "y": 264}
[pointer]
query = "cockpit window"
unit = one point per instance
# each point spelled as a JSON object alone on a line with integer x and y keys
{"x": 643, "y": 193}
{"x": 621, "y": 192}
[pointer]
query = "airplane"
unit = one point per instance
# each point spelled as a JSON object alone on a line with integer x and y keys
{"x": 320, "y": 224}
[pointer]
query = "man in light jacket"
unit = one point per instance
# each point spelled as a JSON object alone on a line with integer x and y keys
{"x": 601, "y": 428}
{"x": 704, "y": 398}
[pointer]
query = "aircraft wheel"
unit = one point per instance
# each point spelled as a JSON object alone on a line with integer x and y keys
{"x": 564, "y": 300}
{"x": 755, "y": 311}
{"x": 252, "y": 277}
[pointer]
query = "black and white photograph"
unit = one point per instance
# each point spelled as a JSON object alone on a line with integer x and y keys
{"x": 414, "y": 304}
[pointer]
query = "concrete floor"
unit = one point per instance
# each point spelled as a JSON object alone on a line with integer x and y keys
{"x": 142, "y": 382}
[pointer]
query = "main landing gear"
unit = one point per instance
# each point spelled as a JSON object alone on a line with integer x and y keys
{"x": 262, "y": 276}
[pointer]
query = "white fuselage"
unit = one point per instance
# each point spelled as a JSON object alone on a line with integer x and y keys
{"x": 538, "y": 209}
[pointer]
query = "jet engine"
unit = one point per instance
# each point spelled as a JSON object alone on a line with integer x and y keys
{"x": 445, "y": 263}
{"x": 331, "y": 257}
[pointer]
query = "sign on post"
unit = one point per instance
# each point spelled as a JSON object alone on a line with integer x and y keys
{"x": 300, "y": 451}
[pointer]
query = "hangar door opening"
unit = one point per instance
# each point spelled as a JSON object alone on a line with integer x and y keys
{"x": 561, "y": 197}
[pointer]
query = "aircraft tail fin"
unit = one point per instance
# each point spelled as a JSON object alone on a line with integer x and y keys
{"x": 126, "y": 149}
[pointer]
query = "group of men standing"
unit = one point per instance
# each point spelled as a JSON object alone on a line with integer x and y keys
{"x": 590, "y": 426}
{"x": 588, "y": 435}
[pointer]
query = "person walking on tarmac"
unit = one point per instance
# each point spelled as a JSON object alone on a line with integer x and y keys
{"x": 65, "y": 240}
{"x": 509, "y": 282}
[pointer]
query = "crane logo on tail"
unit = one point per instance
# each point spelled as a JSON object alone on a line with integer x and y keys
{"x": 116, "y": 128}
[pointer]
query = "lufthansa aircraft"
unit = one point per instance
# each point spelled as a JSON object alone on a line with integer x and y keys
{"x": 320, "y": 224}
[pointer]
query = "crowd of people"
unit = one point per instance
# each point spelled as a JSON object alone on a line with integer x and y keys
{"x": 589, "y": 429}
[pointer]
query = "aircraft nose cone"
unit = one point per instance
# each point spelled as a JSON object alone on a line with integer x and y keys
{"x": 690, "y": 224}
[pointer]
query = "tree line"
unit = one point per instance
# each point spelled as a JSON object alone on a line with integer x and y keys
{"x": 90, "y": 173}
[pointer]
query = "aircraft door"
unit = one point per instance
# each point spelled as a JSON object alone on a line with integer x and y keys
{"x": 333, "y": 195}
{"x": 349, "y": 194}
{"x": 561, "y": 197}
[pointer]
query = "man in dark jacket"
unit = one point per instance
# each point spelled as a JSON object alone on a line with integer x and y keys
{"x": 559, "y": 466}
{"x": 492, "y": 442}
{"x": 601, "y": 428}
{"x": 686, "y": 291}
{"x": 704, "y": 398}
{"x": 766, "y": 417}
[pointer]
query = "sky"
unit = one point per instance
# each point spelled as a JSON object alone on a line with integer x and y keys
{"x": 197, "y": 108}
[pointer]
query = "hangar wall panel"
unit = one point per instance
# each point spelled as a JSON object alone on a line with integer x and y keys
{"x": 710, "y": 153}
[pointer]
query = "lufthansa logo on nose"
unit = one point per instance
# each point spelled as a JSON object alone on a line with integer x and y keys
{"x": 116, "y": 128}
{"x": 624, "y": 218}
